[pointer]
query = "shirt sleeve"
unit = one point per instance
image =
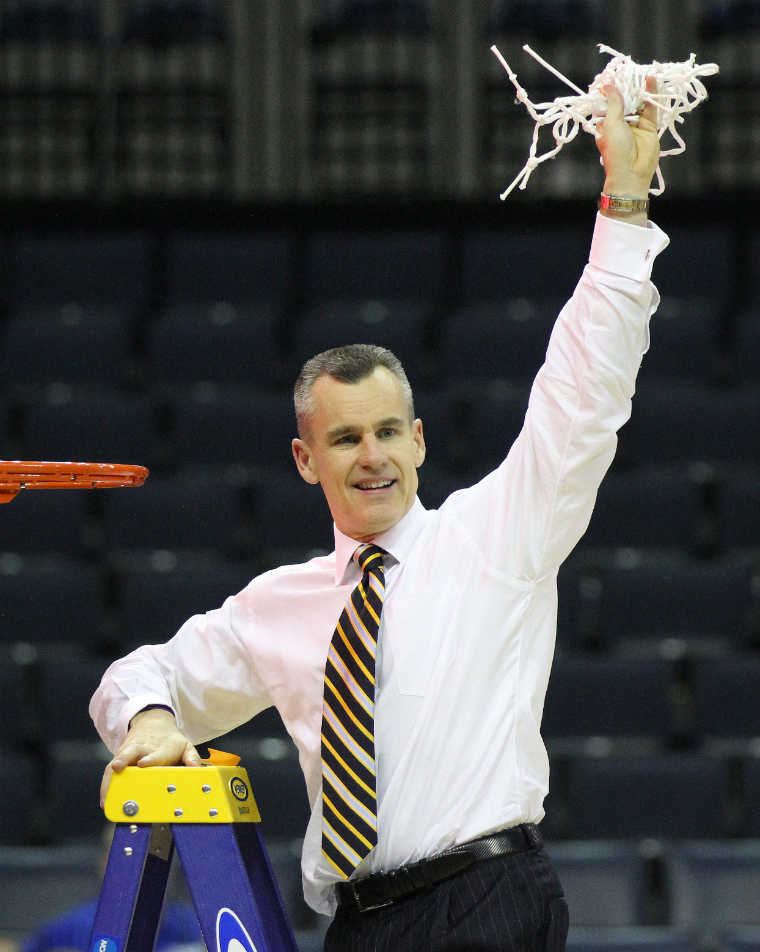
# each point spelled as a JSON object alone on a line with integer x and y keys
{"x": 529, "y": 514}
{"x": 206, "y": 674}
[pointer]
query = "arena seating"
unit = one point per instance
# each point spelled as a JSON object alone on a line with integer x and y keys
{"x": 650, "y": 718}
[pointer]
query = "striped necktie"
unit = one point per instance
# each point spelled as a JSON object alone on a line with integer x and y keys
{"x": 349, "y": 801}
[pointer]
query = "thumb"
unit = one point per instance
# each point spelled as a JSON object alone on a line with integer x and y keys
{"x": 615, "y": 103}
{"x": 191, "y": 757}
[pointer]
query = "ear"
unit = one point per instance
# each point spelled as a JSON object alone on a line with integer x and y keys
{"x": 304, "y": 461}
{"x": 419, "y": 442}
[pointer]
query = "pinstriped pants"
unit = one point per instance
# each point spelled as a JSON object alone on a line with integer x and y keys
{"x": 511, "y": 903}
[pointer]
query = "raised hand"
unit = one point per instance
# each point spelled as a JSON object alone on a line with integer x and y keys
{"x": 629, "y": 152}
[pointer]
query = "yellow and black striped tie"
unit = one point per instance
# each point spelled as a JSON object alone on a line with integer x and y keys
{"x": 349, "y": 800}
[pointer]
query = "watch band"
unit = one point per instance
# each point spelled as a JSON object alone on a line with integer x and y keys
{"x": 619, "y": 203}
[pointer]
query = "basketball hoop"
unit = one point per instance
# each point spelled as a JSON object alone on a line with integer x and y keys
{"x": 16, "y": 475}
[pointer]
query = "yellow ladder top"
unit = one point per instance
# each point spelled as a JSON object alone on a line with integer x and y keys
{"x": 208, "y": 794}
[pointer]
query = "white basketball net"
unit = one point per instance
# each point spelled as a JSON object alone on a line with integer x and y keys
{"x": 679, "y": 90}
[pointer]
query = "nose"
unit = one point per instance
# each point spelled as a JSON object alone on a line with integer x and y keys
{"x": 371, "y": 453}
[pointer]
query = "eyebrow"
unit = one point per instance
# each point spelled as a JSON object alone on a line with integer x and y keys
{"x": 339, "y": 431}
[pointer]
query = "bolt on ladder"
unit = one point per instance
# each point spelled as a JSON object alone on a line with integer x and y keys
{"x": 210, "y": 815}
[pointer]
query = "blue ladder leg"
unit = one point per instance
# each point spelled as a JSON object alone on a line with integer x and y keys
{"x": 231, "y": 882}
{"x": 134, "y": 885}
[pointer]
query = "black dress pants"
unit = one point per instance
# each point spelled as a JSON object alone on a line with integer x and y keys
{"x": 511, "y": 903}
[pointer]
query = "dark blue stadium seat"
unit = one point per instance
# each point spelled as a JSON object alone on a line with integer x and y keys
{"x": 289, "y": 512}
{"x": 364, "y": 265}
{"x": 603, "y": 881}
{"x": 752, "y": 796}
{"x": 19, "y": 778}
{"x": 401, "y": 325}
{"x": 95, "y": 425}
{"x": 572, "y": 582}
{"x": 725, "y": 692}
{"x": 266, "y": 724}
{"x": 740, "y": 939}
{"x": 436, "y": 485}
{"x": 547, "y": 18}
{"x": 739, "y": 513}
{"x": 534, "y": 264}
{"x": 442, "y": 413}
{"x": 43, "y": 522}
{"x": 51, "y": 600}
{"x": 489, "y": 416}
{"x": 657, "y": 507}
{"x": 35, "y": 20}
{"x": 39, "y": 883}
{"x": 374, "y": 16}
{"x": 76, "y": 769}
{"x": 191, "y": 510}
{"x": 157, "y": 595}
{"x": 158, "y": 22}
{"x": 278, "y": 785}
{"x": 644, "y": 595}
{"x": 746, "y": 350}
{"x": 96, "y": 269}
{"x": 589, "y": 695}
{"x": 728, "y": 17}
{"x": 240, "y": 425}
{"x": 714, "y": 884}
{"x": 16, "y": 714}
{"x": 701, "y": 265}
{"x": 681, "y": 423}
{"x": 643, "y": 795}
{"x": 634, "y": 939}
{"x": 216, "y": 342}
{"x": 234, "y": 266}
{"x": 496, "y": 339}
{"x": 67, "y": 682}
{"x": 685, "y": 342}
{"x": 285, "y": 857}
{"x": 69, "y": 343}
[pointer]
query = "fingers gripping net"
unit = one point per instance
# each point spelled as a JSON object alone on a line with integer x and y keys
{"x": 679, "y": 90}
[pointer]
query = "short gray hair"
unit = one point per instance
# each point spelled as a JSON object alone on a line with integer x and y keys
{"x": 350, "y": 364}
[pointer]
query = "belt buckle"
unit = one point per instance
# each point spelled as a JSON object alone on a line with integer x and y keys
{"x": 365, "y": 907}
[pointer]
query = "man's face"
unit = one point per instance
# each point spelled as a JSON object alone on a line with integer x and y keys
{"x": 363, "y": 451}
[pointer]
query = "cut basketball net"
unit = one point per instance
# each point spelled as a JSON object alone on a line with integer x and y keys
{"x": 16, "y": 475}
{"x": 679, "y": 90}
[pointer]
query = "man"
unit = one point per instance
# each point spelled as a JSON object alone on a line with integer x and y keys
{"x": 423, "y": 831}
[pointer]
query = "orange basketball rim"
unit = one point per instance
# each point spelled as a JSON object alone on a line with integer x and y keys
{"x": 16, "y": 475}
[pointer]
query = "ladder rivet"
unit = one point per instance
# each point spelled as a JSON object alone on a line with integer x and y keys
{"x": 171, "y": 788}
{"x": 178, "y": 812}
{"x": 127, "y": 850}
{"x": 213, "y": 813}
{"x": 130, "y": 808}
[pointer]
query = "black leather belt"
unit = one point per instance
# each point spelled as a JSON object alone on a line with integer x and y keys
{"x": 382, "y": 889}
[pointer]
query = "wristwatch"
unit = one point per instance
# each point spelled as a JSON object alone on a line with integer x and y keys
{"x": 618, "y": 203}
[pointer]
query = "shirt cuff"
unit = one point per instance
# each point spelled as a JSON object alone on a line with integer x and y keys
{"x": 624, "y": 249}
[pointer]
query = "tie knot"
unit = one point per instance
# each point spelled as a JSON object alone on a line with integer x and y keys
{"x": 369, "y": 556}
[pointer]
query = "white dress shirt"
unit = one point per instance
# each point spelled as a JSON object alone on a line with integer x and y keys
{"x": 469, "y": 619}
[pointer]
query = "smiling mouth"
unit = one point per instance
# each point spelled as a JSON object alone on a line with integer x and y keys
{"x": 373, "y": 485}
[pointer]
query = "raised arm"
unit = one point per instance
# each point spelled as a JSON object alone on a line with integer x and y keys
{"x": 529, "y": 514}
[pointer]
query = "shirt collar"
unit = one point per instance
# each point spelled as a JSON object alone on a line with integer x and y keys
{"x": 397, "y": 541}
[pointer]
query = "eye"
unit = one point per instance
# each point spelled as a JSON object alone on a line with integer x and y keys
{"x": 348, "y": 438}
{"x": 387, "y": 432}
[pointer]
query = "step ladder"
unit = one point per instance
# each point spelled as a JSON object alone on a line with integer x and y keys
{"x": 210, "y": 815}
